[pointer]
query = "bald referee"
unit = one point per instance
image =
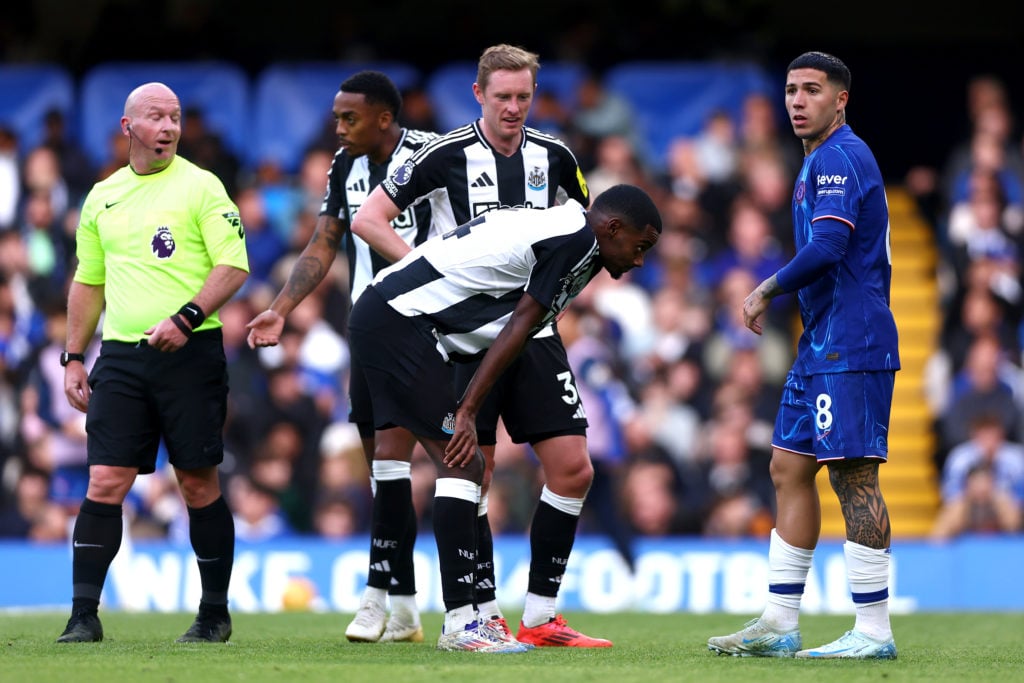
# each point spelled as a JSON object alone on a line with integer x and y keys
{"x": 160, "y": 249}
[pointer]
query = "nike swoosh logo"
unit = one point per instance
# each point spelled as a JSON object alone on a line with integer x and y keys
{"x": 110, "y": 204}
{"x": 207, "y": 559}
{"x": 87, "y": 545}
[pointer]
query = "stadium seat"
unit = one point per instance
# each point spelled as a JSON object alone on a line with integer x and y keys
{"x": 293, "y": 104}
{"x": 674, "y": 99}
{"x": 219, "y": 89}
{"x": 27, "y": 92}
{"x": 450, "y": 89}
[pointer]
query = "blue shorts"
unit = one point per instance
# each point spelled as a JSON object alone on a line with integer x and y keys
{"x": 835, "y": 416}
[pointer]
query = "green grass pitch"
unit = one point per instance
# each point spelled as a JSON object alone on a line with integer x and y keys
{"x": 310, "y": 647}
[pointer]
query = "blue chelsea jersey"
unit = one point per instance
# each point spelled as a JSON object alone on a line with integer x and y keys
{"x": 848, "y": 325}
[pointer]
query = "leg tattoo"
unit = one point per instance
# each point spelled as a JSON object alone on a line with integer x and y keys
{"x": 867, "y": 517}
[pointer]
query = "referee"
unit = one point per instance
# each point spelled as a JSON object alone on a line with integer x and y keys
{"x": 498, "y": 162}
{"x": 160, "y": 249}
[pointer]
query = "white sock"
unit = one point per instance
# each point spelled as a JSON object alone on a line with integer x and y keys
{"x": 405, "y": 605}
{"x": 539, "y": 609}
{"x": 570, "y": 506}
{"x": 868, "y": 573}
{"x": 787, "y": 574}
{"x": 377, "y": 595}
{"x": 459, "y": 618}
{"x": 489, "y": 610}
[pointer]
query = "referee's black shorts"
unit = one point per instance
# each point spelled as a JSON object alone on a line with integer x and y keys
{"x": 140, "y": 394}
{"x": 536, "y": 396}
{"x": 407, "y": 381}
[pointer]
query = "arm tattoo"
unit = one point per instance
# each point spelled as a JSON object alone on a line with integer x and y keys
{"x": 306, "y": 275}
{"x": 770, "y": 287}
{"x": 867, "y": 517}
{"x": 332, "y": 233}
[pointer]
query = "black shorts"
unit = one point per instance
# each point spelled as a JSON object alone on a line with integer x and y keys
{"x": 407, "y": 380}
{"x": 536, "y": 396}
{"x": 360, "y": 406}
{"x": 140, "y": 394}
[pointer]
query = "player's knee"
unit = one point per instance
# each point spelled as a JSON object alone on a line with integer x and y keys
{"x": 570, "y": 477}
{"x": 789, "y": 470}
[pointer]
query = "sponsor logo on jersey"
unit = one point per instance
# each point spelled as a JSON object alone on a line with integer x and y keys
{"x": 831, "y": 186}
{"x": 537, "y": 179}
{"x": 582, "y": 182}
{"x": 163, "y": 242}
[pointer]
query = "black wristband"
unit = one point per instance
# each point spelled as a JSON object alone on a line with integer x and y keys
{"x": 193, "y": 314}
{"x": 180, "y": 324}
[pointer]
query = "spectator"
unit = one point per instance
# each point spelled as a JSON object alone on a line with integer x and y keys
{"x": 982, "y": 483}
{"x": 985, "y": 385}
{"x": 30, "y": 506}
{"x": 336, "y": 516}
{"x": 730, "y": 335}
{"x": 610, "y": 410}
{"x": 257, "y": 514}
{"x": 263, "y": 241}
{"x": 599, "y": 114}
{"x": 206, "y": 149}
{"x": 75, "y": 165}
{"x": 10, "y": 178}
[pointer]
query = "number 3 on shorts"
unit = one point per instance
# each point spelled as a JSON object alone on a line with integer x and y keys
{"x": 571, "y": 396}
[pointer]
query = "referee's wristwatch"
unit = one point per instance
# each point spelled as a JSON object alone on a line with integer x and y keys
{"x": 67, "y": 357}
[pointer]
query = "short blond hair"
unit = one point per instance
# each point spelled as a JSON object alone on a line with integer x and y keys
{"x": 505, "y": 58}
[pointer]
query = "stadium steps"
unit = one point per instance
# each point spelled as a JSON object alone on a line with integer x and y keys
{"x": 909, "y": 481}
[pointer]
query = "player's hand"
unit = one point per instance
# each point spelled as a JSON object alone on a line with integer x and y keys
{"x": 753, "y": 306}
{"x": 463, "y": 447}
{"x": 76, "y": 386}
{"x": 165, "y": 336}
{"x": 265, "y": 329}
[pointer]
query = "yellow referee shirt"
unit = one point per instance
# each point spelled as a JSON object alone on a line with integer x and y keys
{"x": 152, "y": 240}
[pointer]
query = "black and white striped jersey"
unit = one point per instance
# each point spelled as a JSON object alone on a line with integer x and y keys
{"x": 464, "y": 177}
{"x": 464, "y": 285}
{"x": 462, "y": 168}
{"x": 349, "y": 182}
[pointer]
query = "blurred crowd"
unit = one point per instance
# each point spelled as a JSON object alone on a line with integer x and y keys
{"x": 681, "y": 397}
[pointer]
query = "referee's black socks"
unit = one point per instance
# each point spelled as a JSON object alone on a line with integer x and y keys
{"x": 95, "y": 541}
{"x": 212, "y": 532}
